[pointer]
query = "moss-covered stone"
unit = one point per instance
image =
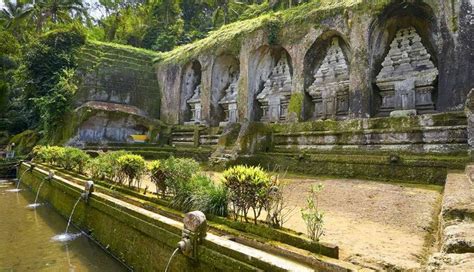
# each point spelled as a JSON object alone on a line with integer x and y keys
{"x": 25, "y": 141}
{"x": 412, "y": 169}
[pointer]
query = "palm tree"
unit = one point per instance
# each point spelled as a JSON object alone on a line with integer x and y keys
{"x": 57, "y": 11}
{"x": 13, "y": 13}
{"x": 222, "y": 7}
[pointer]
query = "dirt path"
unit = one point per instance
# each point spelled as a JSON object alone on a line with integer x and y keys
{"x": 375, "y": 224}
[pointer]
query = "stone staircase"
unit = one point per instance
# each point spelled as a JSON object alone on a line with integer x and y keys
{"x": 456, "y": 224}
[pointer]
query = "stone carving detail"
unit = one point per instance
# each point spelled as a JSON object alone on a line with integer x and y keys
{"x": 407, "y": 76}
{"x": 275, "y": 96}
{"x": 330, "y": 88}
{"x": 195, "y": 104}
{"x": 229, "y": 103}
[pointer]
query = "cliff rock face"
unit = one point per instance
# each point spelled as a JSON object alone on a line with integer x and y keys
{"x": 121, "y": 75}
{"x": 366, "y": 60}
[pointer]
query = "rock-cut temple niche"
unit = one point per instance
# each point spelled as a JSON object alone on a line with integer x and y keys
{"x": 275, "y": 96}
{"x": 330, "y": 89}
{"x": 229, "y": 102}
{"x": 407, "y": 78}
{"x": 195, "y": 105}
{"x": 191, "y": 94}
{"x": 224, "y": 90}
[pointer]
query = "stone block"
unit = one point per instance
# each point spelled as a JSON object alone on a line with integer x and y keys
{"x": 458, "y": 238}
{"x": 451, "y": 262}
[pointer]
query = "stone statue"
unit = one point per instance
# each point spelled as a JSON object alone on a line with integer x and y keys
{"x": 229, "y": 103}
{"x": 195, "y": 104}
{"x": 407, "y": 76}
{"x": 275, "y": 96}
{"x": 330, "y": 88}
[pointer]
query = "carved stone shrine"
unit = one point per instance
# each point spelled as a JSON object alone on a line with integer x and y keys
{"x": 195, "y": 104}
{"x": 407, "y": 78}
{"x": 330, "y": 88}
{"x": 275, "y": 96}
{"x": 229, "y": 103}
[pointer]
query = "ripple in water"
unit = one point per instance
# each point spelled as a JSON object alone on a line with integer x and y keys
{"x": 34, "y": 205}
{"x": 65, "y": 237}
{"x": 13, "y": 190}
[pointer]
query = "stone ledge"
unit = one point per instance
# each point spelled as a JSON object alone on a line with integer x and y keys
{"x": 458, "y": 238}
{"x": 451, "y": 262}
{"x": 458, "y": 200}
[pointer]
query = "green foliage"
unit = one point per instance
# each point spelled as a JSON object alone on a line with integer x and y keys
{"x": 47, "y": 75}
{"x": 24, "y": 141}
{"x": 52, "y": 107}
{"x": 201, "y": 193}
{"x": 105, "y": 167}
{"x": 157, "y": 176}
{"x": 248, "y": 188}
{"x": 296, "y": 104}
{"x": 52, "y": 155}
{"x": 178, "y": 172}
{"x": 311, "y": 214}
{"x": 75, "y": 159}
{"x": 132, "y": 168}
{"x": 273, "y": 27}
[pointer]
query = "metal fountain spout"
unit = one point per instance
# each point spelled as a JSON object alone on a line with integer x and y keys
{"x": 88, "y": 190}
{"x": 195, "y": 228}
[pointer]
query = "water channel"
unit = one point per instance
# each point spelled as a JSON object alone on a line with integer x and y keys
{"x": 26, "y": 239}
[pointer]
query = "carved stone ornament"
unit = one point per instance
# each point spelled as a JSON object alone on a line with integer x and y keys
{"x": 407, "y": 78}
{"x": 229, "y": 103}
{"x": 275, "y": 96}
{"x": 330, "y": 88}
{"x": 195, "y": 104}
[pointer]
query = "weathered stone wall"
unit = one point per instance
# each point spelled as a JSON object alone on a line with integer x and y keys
{"x": 365, "y": 31}
{"x": 118, "y": 74}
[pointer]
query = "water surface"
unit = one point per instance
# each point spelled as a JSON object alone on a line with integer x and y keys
{"x": 26, "y": 244}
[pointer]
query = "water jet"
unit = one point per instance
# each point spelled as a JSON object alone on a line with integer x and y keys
{"x": 65, "y": 237}
{"x": 35, "y": 204}
{"x": 17, "y": 189}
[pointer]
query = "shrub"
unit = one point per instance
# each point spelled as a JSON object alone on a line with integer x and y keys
{"x": 312, "y": 216}
{"x": 131, "y": 167}
{"x": 248, "y": 188}
{"x": 52, "y": 155}
{"x": 75, "y": 159}
{"x": 157, "y": 176}
{"x": 105, "y": 167}
{"x": 178, "y": 172}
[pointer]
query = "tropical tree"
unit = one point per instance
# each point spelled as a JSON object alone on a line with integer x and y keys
{"x": 57, "y": 11}
{"x": 13, "y": 14}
